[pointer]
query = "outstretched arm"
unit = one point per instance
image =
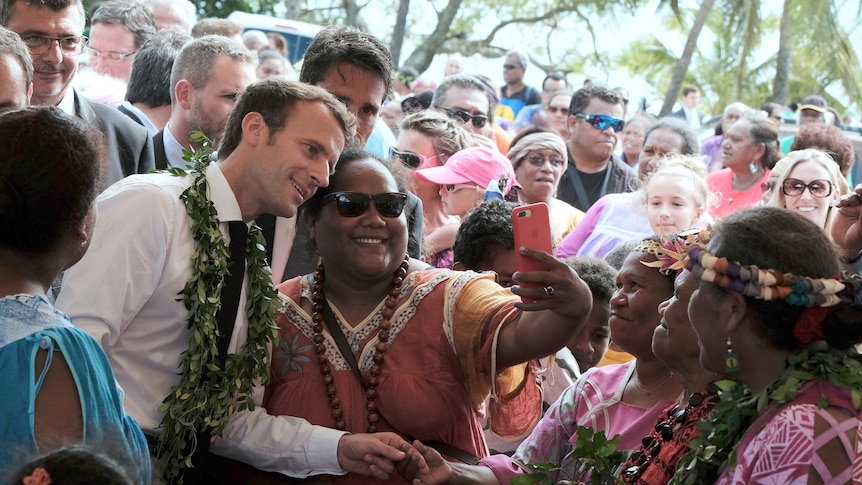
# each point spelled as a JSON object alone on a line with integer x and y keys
{"x": 440, "y": 471}
{"x": 847, "y": 224}
{"x": 556, "y": 316}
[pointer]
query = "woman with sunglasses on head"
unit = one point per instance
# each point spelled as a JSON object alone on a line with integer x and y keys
{"x": 427, "y": 139}
{"x": 748, "y": 153}
{"x": 771, "y": 313}
{"x": 371, "y": 342}
{"x": 539, "y": 159}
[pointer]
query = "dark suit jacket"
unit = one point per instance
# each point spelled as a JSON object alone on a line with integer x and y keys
{"x": 129, "y": 145}
{"x": 620, "y": 179}
{"x": 161, "y": 157}
{"x": 680, "y": 113}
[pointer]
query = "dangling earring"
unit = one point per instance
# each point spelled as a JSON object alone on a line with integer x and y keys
{"x": 731, "y": 359}
{"x": 752, "y": 167}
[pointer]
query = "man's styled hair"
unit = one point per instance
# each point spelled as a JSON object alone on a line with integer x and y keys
{"x": 131, "y": 14}
{"x": 6, "y": 7}
{"x": 275, "y": 99}
{"x": 336, "y": 45}
{"x": 582, "y": 97}
{"x": 12, "y": 45}
{"x": 556, "y": 76}
{"x": 196, "y": 60}
{"x": 222, "y": 27}
{"x": 689, "y": 89}
{"x": 150, "y": 82}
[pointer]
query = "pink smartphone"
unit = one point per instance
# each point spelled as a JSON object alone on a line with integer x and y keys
{"x": 532, "y": 229}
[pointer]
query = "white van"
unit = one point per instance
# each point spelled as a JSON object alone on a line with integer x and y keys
{"x": 297, "y": 34}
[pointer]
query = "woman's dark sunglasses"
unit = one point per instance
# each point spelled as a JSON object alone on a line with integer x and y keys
{"x": 354, "y": 204}
{"x": 818, "y": 188}
{"x": 463, "y": 116}
{"x": 409, "y": 159}
{"x": 603, "y": 122}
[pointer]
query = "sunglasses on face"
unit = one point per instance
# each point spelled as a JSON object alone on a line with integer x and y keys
{"x": 603, "y": 122}
{"x": 538, "y": 161}
{"x": 509, "y": 67}
{"x": 456, "y": 187}
{"x": 767, "y": 186}
{"x": 354, "y": 204}
{"x": 409, "y": 159}
{"x": 556, "y": 109}
{"x": 818, "y": 188}
{"x": 463, "y": 116}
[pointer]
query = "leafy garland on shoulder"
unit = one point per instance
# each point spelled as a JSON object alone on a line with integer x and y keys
{"x": 714, "y": 449}
{"x": 207, "y": 395}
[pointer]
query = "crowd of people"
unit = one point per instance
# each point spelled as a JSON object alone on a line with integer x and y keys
{"x": 230, "y": 276}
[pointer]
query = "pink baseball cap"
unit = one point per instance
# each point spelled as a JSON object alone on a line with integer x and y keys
{"x": 479, "y": 165}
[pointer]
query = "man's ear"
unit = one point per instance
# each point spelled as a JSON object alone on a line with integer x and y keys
{"x": 254, "y": 129}
{"x": 183, "y": 91}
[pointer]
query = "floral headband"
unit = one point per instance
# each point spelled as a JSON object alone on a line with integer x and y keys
{"x": 820, "y": 296}
{"x": 671, "y": 251}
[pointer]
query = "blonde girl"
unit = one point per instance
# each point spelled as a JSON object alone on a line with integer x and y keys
{"x": 676, "y": 196}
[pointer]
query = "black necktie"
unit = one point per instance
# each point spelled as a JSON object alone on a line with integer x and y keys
{"x": 226, "y": 315}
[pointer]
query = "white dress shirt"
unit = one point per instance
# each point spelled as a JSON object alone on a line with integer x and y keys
{"x": 174, "y": 149}
{"x": 124, "y": 293}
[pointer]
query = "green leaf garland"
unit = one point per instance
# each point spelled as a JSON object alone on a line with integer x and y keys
{"x": 206, "y": 395}
{"x": 714, "y": 449}
{"x": 595, "y": 457}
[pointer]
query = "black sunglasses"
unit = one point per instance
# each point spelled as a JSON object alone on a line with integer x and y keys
{"x": 354, "y": 204}
{"x": 463, "y": 116}
{"x": 409, "y": 159}
{"x": 603, "y": 122}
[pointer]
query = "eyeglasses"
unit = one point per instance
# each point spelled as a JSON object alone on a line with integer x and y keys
{"x": 625, "y": 101}
{"x": 818, "y": 188}
{"x": 411, "y": 104}
{"x": 456, "y": 187}
{"x": 767, "y": 186}
{"x": 410, "y": 159}
{"x": 538, "y": 161}
{"x": 603, "y": 122}
{"x": 354, "y": 204}
{"x": 509, "y": 67}
{"x": 108, "y": 55}
{"x": 463, "y": 116}
{"x": 40, "y": 44}
{"x": 557, "y": 109}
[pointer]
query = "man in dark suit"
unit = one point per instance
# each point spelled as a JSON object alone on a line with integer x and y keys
{"x": 207, "y": 76}
{"x": 148, "y": 95}
{"x": 52, "y": 30}
{"x": 689, "y": 112}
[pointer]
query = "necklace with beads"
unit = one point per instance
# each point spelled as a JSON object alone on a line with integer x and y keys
{"x": 670, "y": 436}
{"x": 319, "y": 307}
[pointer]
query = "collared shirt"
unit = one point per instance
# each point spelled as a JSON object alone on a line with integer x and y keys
{"x": 691, "y": 116}
{"x": 174, "y": 149}
{"x": 124, "y": 291}
{"x": 141, "y": 116}
{"x": 67, "y": 104}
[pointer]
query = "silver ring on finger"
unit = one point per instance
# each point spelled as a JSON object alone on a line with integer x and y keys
{"x": 549, "y": 291}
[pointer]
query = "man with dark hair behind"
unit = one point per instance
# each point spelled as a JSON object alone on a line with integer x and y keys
{"x": 213, "y": 26}
{"x": 148, "y": 95}
{"x": 16, "y": 72}
{"x": 595, "y": 120}
{"x": 119, "y": 29}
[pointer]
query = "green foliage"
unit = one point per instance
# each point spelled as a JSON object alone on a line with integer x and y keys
{"x": 595, "y": 458}
{"x": 715, "y": 447}
{"x": 206, "y": 395}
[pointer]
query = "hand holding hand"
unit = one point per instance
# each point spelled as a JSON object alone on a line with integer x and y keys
{"x": 376, "y": 454}
{"x": 436, "y": 472}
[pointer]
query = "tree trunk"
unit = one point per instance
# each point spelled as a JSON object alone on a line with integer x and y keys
{"x": 782, "y": 67}
{"x": 351, "y": 13}
{"x": 398, "y": 31}
{"x": 681, "y": 68}
{"x": 421, "y": 58}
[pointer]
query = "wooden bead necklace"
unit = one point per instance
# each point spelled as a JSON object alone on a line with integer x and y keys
{"x": 317, "y": 302}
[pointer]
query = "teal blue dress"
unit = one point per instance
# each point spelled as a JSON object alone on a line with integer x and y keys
{"x": 29, "y": 323}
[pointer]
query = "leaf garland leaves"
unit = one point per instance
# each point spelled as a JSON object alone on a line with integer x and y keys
{"x": 594, "y": 455}
{"x": 714, "y": 448}
{"x": 206, "y": 395}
